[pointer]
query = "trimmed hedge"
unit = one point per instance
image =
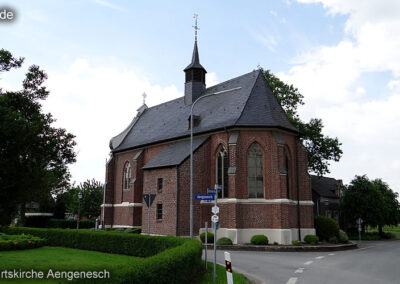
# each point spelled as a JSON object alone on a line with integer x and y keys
{"x": 210, "y": 237}
{"x": 224, "y": 242}
{"x": 71, "y": 224}
{"x": 259, "y": 240}
{"x": 343, "y": 238}
{"x": 296, "y": 242}
{"x": 167, "y": 259}
{"x": 326, "y": 228}
{"x": 311, "y": 239}
{"x": 19, "y": 242}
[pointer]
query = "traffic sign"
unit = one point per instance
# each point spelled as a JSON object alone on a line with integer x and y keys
{"x": 214, "y": 218}
{"x": 149, "y": 198}
{"x": 360, "y": 221}
{"x": 218, "y": 187}
{"x": 215, "y": 210}
{"x": 204, "y": 197}
{"x": 211, "y": 191}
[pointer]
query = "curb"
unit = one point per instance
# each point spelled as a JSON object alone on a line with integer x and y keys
{"x": 277, "y": 248}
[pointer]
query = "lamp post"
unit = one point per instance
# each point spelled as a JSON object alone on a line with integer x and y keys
{"x": 191, "y": 151}
{"x": 79, "y": 208}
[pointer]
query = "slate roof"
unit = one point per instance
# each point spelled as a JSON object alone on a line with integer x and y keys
{"x": 175, "y": 153}
{"x": 195, "y": 59}
{"x": 245, "y": 101}
{"x": 325, "y": 186}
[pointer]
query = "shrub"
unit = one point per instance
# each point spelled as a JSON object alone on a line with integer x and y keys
{"x": 311, "y": 239}
{"x": 296, "y": 242}
{"x": 210, "y": 237}
{"x": 18, "y": 242}
{"x": 134, "y": 231}
{"x": 167, "y": 259}
{"x": 276, "y": 243}
{"x": 224, "y": 242}
{"x": 343, "y": 238}
{"x": 333, "y": 240}
{"x": 36, "y": 221}
{"x": 326, "y": 227}
{"x": 259, "y": 240}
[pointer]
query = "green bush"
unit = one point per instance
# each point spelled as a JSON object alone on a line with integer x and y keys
{"x": 134, "y": 231}
{"x": 18, "y": 242}
{"x": 259, "y": 240}
{"x": 326, "y": 227}
{"x": 210, "y": 237}
{"x": 311, "y": 239}
{"x": 296, "y": 242}
{"x": 36, "y": 221}
{"x": 167, "y": 259}
{"x": 333, "y": 240}
{"x": 224, "y": 242}
{"x": 71, "y": 224}
{"x": 343, "y": 238}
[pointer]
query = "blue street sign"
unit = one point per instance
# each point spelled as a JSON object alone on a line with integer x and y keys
{"x": 204, "y": 197}
{"x": 219, "y": 187}
{"x": 211, "y": 191}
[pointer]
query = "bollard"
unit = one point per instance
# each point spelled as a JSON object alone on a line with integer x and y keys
{"x": 228, "y": 265}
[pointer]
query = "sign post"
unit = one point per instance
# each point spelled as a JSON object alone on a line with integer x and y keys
{"x": 359, "y": 222}
{"x": 215, "y": 220}
{"x": 228, "y": 265}
{"x": 206, "y": 242}
{"x": 148, "y": 198}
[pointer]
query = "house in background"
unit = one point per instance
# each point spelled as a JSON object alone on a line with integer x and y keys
{"x": 326, "y": 193}
{"x": 243, "y": 140}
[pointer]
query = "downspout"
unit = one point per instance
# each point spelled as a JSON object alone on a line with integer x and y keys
{"x": 298, "y": 192}
{"x": 177, "y": 199}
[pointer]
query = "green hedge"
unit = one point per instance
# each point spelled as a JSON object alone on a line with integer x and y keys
{"x": 224, "y": 241}
{"x": 326, "y": 228}
{"x": 210, "y": 237}
{"x": 167, "y": 259}
{"x": 18, "y": 242}
{"x": 311, "y": 239}
{"x": 259, "y": 240}
{"x": 71, "y": 224}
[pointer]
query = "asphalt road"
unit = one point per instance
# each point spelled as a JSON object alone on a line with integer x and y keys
{"x": 375, "y": 262}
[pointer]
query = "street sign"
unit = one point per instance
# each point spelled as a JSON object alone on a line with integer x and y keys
{"x": 211, "y": 191}
{"x": 214, "y": 218}
{"x": 360, "y": 221}
{"x": 218, "y": 187}
{"x": 204, "y": 197}
{"x": 149, "y": 198}
{"x": 215, "y": 210}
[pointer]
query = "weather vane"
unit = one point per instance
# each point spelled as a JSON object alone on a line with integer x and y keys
{"x": 144, "y": 95}
{"x": 196, "y": 28}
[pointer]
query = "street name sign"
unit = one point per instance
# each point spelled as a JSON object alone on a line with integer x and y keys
{"x": 205, "y": 197}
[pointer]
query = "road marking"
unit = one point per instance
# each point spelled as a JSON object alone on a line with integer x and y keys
{"x": 308, "y": 262}
{"x": 292, "y": 280}
{"x": 300, "y": 270}
{"x": 366, "y": 248}
{"x": 319, "y": 257}
{"x": 331, "y": 254}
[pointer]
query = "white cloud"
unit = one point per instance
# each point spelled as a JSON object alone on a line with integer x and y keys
{"x": 266, "y": 39}
{"x": 96, "y": 103}
{"x": 211, "y": 79}
{"x": 107, "y": 4}
{"x": 328, "y": 77}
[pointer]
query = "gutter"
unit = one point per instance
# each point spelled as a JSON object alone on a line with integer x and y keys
{"x": 177, "y": 198}
{"x": 298, "y": 192}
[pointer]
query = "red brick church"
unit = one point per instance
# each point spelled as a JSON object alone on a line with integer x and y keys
{"x": 243, "y": 141}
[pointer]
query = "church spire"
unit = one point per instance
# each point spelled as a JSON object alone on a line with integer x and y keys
{"x": 195, "y": 73}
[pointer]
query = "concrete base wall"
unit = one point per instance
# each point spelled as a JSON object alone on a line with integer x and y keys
{"x": 243, "y": 236}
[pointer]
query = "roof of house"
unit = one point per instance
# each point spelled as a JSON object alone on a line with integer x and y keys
{"x": 245, "y": 101}
{"x": 175, "y": 153}
{"x": 325, "y": 186}
{"x": 195, "y": 60}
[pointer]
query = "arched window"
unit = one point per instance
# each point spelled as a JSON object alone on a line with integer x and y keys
{"x": 127, "y": 175}
{"x": 255, "y": 171}
{"x": 287, "y": 166}
{"x": 222, "y": 164}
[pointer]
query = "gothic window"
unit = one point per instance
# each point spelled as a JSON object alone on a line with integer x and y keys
{"x": 222, "y": 165}
{"x": 255, "y": 172}
{"x": 127, "y": 175}
{"x": 287, "y": 165}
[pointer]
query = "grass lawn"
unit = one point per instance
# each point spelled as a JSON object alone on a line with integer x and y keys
{"x": 61, "y": 259}
{"x": 207, "y": 277}
{"x": 388, "y": 229}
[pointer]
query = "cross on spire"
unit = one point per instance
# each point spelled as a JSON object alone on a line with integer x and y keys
{"x": 196, "y": 28}
{"x": 144, "y": 95}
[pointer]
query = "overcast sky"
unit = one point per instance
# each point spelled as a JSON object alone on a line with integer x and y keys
{"x": 101, "y": 55}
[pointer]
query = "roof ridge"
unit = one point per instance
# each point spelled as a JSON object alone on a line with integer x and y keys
{"x": 224, "y": 82}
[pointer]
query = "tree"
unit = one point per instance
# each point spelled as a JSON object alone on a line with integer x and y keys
{"x": 92, "y": 198}
{"x": 34, "y": 155}
{"x": 320, "y": 148}
{"x": 372, "y": 201}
